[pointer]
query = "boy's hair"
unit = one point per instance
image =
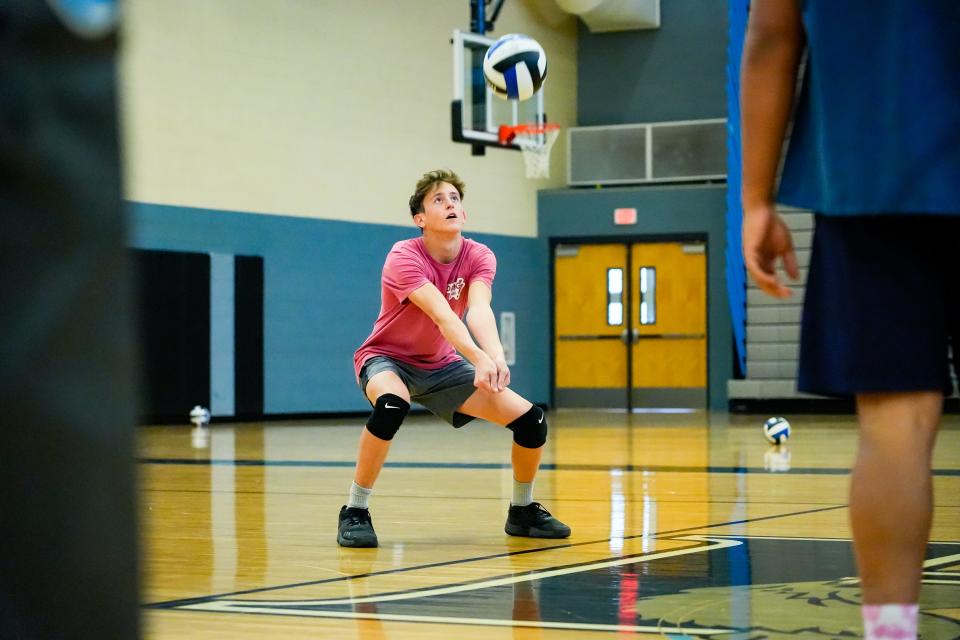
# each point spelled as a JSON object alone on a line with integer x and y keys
{"x": 428, "y": 183}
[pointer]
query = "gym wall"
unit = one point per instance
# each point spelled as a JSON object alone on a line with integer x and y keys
{"x": 294, "y": 130}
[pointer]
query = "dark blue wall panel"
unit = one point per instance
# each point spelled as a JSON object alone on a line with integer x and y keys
{"x": 322, "y": 294}
{"x": 675, "y": 72}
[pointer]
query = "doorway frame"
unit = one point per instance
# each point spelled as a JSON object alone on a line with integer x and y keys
{"x": 626, "y": 240}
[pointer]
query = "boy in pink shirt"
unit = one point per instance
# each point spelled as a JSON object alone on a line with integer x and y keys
{"x": 428, "y": 284}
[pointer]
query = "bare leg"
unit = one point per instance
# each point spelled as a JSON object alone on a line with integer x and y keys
{"x": 525, "y": 462}
{"x": 372, "y": 450}
{"x": 354, "y": 525}
{"x": 891, "y": 494}
{"x": 503, "y": 408}
{"x": 371, "y": 455}
{"x": 525, "y": 517}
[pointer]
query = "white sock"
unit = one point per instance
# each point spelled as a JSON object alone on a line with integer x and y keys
{"x": 889, "y": 621}
{"x": 522, "y": 493}
{"x": 358, "y": 496}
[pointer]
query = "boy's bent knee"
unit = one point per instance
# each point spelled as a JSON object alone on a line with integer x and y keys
{"x": 530, "y": 429}
{"x": 388, "y": 414}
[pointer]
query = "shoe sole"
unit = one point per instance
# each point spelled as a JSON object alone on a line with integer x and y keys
{"x": 533, "y": 532}
{"x": 357, "y": 544}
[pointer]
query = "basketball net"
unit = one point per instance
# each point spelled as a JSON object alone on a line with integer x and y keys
{"x": 535, "y": 142}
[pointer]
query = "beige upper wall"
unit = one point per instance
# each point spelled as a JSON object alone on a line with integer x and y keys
{"x": 321, "y": 108}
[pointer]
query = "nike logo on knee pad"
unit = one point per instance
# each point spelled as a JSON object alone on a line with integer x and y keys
{"x": 530, "y": 429}
{"x": 387, "y": 405}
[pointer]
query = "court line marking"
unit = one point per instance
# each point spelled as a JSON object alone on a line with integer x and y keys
{"x": 930, "y": 562}
{"x": 627, "y": 468}
{"x": 493, "y": 622}
{"x": 179, "y": 602}
{"x": 486, "y": 583}
{"x": 945, "y": 560}
{"x": 820, "y": 539}
{"x": 942, "y": 561}
{"x": 719, "y": 542}
{"x": 754, "y": 537}
{"x": 295, "y": 607}
{"x": 490, "y": 498}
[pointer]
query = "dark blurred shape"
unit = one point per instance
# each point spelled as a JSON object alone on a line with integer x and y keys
{"x": 68, "y": 558}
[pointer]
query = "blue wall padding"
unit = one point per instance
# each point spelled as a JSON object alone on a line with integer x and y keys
{"x": 322, "y": 295}
{"x": 736, "y": 276}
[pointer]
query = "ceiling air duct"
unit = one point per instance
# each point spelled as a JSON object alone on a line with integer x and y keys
{"x": 615, "y": 15}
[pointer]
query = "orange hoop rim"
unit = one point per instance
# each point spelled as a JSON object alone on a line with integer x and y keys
{"x": 509, "y": 132}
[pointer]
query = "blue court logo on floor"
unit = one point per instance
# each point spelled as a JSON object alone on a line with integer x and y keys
{"x": 714, "y": 586}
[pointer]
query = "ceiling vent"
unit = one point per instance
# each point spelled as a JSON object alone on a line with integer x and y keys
{"x": 684, "y": 151}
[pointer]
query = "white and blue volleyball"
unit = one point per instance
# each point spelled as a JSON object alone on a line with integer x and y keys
{"x": 776, "y": 430}
{"x": 515, "y": 66}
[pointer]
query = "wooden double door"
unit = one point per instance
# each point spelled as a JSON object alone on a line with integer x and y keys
{"x": 630, "y": 325}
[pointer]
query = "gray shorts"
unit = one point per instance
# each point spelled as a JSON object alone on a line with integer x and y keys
{"x": 442, "y": 391}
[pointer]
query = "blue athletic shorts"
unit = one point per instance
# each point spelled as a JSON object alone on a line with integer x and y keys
{"x": 442, "y": 391}
{"x": 882, "y": 305}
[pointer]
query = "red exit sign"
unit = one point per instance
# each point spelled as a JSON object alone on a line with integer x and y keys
{"x": 625, "y": 216}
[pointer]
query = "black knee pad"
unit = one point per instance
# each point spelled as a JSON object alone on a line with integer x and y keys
{"x": 387, "y": 416}
{"x": 530, "y": 429}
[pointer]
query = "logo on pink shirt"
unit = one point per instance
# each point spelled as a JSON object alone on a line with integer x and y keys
{"x": 454, "y": 289}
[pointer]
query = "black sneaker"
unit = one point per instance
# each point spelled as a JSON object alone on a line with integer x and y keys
{"x": 355, "y": 528}
{"x": 533, "y": 521}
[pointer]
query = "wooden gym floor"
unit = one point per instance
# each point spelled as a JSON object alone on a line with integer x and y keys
{"x": 685, "y": 525}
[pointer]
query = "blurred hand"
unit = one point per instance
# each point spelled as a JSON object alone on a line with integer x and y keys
{"x": 766, "y": 238}
{"x": 487, "y": 375}
{"x": 503, "y": 373}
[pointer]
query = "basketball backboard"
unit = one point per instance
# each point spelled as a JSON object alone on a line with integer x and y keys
{"x": 476, "y": 113}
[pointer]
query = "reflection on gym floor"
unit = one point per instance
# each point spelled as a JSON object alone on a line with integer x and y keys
{"x": 688, "y": 524}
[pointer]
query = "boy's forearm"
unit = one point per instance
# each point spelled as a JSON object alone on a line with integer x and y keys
{"x": 457, "y": 334}
{"x": 483, "y": 326}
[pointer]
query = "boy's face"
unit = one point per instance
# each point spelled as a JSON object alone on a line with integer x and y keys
{"x": 442, "y": 209}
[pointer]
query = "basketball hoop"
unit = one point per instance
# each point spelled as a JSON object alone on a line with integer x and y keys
{"x": 535, "y": 141}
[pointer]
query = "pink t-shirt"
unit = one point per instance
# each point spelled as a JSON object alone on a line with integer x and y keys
{"x": 402, "y": 330}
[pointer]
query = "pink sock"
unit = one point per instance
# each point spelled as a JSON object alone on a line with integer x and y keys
{"x": 889, "y": 621}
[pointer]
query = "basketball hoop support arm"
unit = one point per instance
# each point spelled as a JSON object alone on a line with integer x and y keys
{"x": 478, "y": 15}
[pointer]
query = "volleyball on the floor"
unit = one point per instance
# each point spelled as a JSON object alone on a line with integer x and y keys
{"x": 776, "y": 430}
{"x": 515, "y": 66}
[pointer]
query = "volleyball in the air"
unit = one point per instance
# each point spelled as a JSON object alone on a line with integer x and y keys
{"x": 776, "y": 430}
{"x": 515, "y": 66}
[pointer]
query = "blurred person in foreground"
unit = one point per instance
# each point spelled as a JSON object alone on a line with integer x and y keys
{"x": 68, "y": 564}
{"x": 875, "y": 152}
